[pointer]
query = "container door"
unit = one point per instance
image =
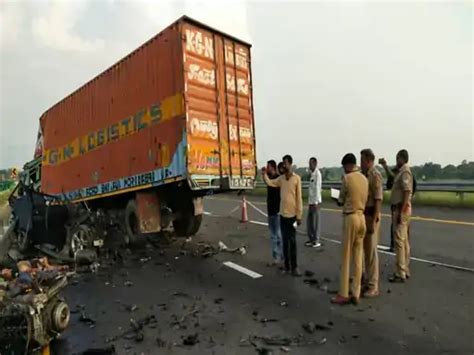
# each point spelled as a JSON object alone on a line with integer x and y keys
{"x": 221, "y": 146}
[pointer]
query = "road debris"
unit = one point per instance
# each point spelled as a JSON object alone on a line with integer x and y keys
{"x": 311, "y": 282}
{"x": 86, "y": 319}
{"x": 191, "y": 340}
{"x": 280, "y": 340}
{"x": 242, "y": 250}
{"x": 110, "y": 350}
{"x": 136, "y": 327}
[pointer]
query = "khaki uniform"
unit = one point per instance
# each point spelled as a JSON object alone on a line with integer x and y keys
{"x": 402, "y": 182}
{"x": 353, "y": 196}
{"x": 371, "y": 239}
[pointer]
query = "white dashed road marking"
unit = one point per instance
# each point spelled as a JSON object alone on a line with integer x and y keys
{"x": 243, "y": 270}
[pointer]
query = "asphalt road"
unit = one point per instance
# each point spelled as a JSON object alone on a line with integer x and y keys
{"x": 190, "y": 294}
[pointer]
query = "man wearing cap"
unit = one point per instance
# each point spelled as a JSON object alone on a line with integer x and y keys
{"x": 353, "y": 198}
{"x": 372, "y": 214}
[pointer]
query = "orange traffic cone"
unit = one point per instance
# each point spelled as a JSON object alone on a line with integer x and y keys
{"x": 245, "y": 217}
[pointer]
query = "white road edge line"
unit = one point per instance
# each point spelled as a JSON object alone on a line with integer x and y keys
{"x": 385, "y": 250}
{"x": 243, "y": 270}
{"x": 259, "y": 223}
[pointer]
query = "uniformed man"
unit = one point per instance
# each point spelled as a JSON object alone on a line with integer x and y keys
{"x": 373, "y": 213}
{"x": 353, "y": 198}
{"x": 400, "y": 201}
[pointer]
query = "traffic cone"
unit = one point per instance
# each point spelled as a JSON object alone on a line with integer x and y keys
{"x": 245, "y": 217}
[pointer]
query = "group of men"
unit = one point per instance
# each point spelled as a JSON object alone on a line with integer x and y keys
{"x": 361, "y": 198}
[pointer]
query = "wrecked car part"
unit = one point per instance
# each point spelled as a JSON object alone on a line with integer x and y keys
{"x": 33, "y": 320}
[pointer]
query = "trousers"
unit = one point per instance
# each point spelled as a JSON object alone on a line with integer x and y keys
{"x": 400, "y": 225}
{"x": 288, "y": 233}
{"x": 313, "y": 224}
{"x": 275, "y": 237}
{"x": 371, "y": 256}
{"x": 352, "y": 249}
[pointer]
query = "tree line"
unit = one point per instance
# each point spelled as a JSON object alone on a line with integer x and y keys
{"x": 425, "y": 172}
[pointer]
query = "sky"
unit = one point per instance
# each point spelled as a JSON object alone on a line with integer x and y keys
{"x": 328, "y": 77}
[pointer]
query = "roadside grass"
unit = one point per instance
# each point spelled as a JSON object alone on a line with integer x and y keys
{"x": 421, "y": 198}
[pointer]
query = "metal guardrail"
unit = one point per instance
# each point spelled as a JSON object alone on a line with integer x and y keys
{"x": 458, "y": 187}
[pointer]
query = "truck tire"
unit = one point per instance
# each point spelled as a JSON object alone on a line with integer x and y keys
{"x": 132, "y": 234}
{"x": 196, "y": 224}
{"x": 187, "y": 225}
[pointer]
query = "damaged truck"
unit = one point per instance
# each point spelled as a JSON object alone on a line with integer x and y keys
{"x": 143, "y": 142}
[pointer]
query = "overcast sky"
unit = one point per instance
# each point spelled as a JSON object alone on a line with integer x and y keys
{"x": 329, "y": 77}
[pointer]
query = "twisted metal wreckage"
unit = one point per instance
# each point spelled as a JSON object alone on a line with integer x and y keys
{"x": 32, "y": 312}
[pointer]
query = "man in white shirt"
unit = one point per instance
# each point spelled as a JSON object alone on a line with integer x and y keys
{"x": 314, "y": 209}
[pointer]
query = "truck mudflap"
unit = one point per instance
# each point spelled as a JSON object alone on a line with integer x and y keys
{"x": 198, "y": 206}
{"x": 148, "y": 211}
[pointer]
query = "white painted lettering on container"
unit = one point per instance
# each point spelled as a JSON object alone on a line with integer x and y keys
{"x": 198, "y": 43}
{"x": 204, "y": 126}
{"x": 203, "y": 75}
{"x": 242, "y": 86}
{"x": 233, "y": 133}
{"x": 245, "y": 132}
{"x": 241, "y": 59}
{"x": 229, "y": 55}
{"x": 230, "y": 82}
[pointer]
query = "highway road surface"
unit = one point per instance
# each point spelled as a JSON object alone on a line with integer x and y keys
{"x": 228, "y": 303}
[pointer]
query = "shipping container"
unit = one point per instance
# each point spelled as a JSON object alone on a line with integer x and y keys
{"x": 173, "y": 118}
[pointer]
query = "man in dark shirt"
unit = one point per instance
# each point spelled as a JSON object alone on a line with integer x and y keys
{"x": 273, "y": 209}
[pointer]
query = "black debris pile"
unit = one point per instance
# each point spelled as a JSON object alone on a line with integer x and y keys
{"x": 109, "y": 350}
{"x": 191, "y": 340}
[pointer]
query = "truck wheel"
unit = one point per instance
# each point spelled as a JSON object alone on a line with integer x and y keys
{"x": 196, "y": 224}
{"x": 187, "y": 225}
{"x": 131, "y": 223}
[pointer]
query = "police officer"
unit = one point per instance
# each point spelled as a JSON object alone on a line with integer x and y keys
{"x": 400, "y": 201}
{"x": 372, "y": 213}
{"x": 353, "y": 198}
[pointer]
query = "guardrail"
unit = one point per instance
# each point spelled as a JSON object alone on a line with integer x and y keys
{"x": 458, "y": 187}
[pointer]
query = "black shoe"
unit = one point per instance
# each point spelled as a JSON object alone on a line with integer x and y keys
{"x": 284, "y": 270}
{"x": 309, "y": 244}
{"x": 396, "y": 279}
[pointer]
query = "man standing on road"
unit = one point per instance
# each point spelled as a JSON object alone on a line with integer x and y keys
{"x": 373, "y": 213}
{"x": 353, "y": 198}
{"x": 273, "y": 210}
{"x": 400, "y": 201}
{"x": 314, "y": 208}
{"x": 291, "y": 211}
